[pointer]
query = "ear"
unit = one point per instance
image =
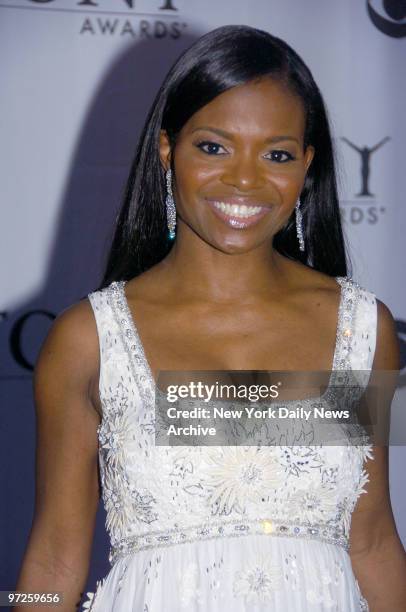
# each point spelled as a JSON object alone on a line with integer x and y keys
{"x": 164, "y": 149}
{"x": 308, "y": 156}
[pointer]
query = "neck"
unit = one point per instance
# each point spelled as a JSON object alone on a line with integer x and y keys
{"x": 204, "y": 272}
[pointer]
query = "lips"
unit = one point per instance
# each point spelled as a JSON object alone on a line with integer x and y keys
{"x": 238, "y": 213}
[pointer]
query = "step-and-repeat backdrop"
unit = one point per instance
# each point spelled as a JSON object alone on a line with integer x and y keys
{"x": 77, "y": 79}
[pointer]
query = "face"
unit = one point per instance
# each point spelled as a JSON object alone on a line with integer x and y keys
{"x": 239, "y": 166}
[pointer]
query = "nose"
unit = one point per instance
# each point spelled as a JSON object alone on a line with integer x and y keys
{"x": 244, "y": 173}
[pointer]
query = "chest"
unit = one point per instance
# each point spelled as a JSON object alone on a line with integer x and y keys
{"x": 277, "y": 338}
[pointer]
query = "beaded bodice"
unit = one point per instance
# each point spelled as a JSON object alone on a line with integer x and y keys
{"x": 160, "y": 496}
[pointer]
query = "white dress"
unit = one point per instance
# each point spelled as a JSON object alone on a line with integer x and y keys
{"x": 215, "y": 529}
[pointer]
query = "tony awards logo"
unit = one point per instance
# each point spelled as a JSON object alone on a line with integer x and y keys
{"x": 363, "y": 209}
{"x": 365, "y": 155}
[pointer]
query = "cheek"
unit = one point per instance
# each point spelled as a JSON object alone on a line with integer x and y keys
{"x": 287, "y": 181}
{"x": 192, "y": 174}
{"x": 286, "y": 174}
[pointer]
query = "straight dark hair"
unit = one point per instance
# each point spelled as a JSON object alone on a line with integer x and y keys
{"x": 221, "y": 59}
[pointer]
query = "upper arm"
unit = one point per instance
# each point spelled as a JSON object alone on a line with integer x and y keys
{"x": 372, "y": 519}
{"x": 67, "y": 487}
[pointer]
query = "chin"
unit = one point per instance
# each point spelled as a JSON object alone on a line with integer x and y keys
{"x": 233, "y": 247}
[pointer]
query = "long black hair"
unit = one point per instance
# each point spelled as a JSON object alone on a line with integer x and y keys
{"x": 221, "y": 59}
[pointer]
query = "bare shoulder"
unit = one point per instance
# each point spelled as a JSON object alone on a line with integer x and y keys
{"x": 73, "y": 335}
{"x": 70, "y": 351}
{"x": 387, "y": 352}
{"x": 76, "y": 322}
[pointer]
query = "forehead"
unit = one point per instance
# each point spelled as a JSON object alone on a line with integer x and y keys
{"x": 253, "y": 108}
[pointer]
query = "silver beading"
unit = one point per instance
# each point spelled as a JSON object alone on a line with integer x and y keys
{"x": 170, "y": 206}
{"x": 225, "y": 529}
{"x": 299, "y": 228}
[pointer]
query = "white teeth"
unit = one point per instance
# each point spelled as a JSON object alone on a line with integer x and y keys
{"x": 237, "y": 210}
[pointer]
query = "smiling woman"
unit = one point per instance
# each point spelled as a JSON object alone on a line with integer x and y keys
{"x": 228, "y": 255}
{"x": 248, "y": 173}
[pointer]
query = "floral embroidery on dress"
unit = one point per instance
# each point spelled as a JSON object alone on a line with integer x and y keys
{"x": 300, "y": 459}
{"x": 118, "y": 435}
{"x": 347, "y": 506}
{"x": 116, "y": 401}
{"x": 117, "y": 505}
{"x": 319, "y": 595}
{"x": 329, "y": 475}
{"x": 313, "y": 504}
{"x": 188, "y": 584}
{"x": 124, "y": 503}
{"x": 318, "y": 590}
{"x": 181, "y": 467}
{"x": 367, "y": 452}
{"x": 114, "y": 434}
{"x": 257, "y": 581}
{"x": 237, "y": 475}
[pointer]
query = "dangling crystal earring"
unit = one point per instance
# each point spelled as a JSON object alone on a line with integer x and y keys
{"x": 299, "y": 228}
{"x": 170, "y": 206}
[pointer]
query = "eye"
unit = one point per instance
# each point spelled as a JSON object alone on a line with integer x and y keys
{"x": 209, "y": 147}
{"x": 276, "y": 155}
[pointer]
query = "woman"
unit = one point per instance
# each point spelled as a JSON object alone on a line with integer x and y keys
{"x": 228, "y": 255}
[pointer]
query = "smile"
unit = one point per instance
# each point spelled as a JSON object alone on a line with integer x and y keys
{"x": 238, "y": 216}
{"x": 237, "y": 210}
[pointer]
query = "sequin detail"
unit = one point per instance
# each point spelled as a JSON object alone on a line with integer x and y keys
{"x": 215, "y": 529}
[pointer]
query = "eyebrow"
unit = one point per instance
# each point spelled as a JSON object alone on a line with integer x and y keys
{"x": 229, "y": 136}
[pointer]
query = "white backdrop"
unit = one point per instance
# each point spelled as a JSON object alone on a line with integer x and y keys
{"x": 77, "y": 78}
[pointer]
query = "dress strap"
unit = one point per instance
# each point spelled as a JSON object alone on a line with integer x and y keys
{"x": 365, "y": 331}
{"x": 346, "y": 322}
{"x": 356, "y": 333}
{"x": 131, "y": 348}
{"x": 113, "y": 358}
